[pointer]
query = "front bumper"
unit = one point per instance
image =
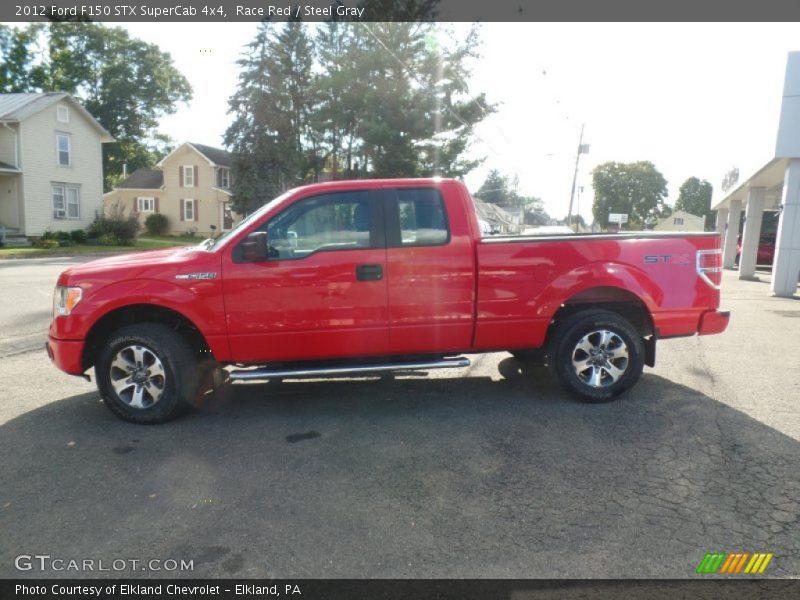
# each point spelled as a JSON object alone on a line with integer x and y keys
{"x": 67, "y": 355}
{"x": 714, "y": 321}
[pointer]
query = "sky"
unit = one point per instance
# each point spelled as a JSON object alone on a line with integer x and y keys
{"x": 694, "y": 99}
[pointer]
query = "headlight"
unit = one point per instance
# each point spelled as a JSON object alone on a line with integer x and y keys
{"x": 65, "y": 299}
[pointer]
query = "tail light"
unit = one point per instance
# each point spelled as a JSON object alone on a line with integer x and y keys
{"x": 709, "y": 267}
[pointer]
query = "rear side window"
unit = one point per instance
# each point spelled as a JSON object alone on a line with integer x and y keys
{"x": 422, "y": 216}
{"x": 338, "y": 221}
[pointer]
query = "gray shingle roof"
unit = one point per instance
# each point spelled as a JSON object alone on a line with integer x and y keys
{"x": 14, "y": 107}
{"x": 144, "y": 179}
{"x": 219, "y": 157}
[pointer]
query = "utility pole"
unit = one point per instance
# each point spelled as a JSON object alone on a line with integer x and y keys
{"x": 581, "y": 150}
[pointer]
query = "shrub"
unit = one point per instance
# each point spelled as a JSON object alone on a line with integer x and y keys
{"x": 78, "y": 236}
{"x": 156, "y": 224}
{"x": 65, "y": 243}
{"x": 63, "y": 235}
{"x": 45, "y": 243}
{"x": 108, "y": 239}
{"x": 116, "y": 226}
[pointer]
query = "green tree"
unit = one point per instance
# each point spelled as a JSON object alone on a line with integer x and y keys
{"x": 502, "y": 189}
{"x": 575, "y": 219}
{"x": 18, "y": 69}
{"x": 125, "y": 83}
{"x": 341, "y": 93}
{"x": 694, "y": 197}
{"x": 270, "y": 132}
{"x": 636, "y": 189}
{"x": 356, "y": 100}
{"x": 496, "y": 188}
{"x": 420, "y": 116}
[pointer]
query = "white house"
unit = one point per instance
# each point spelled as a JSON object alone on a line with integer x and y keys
{"x": 681, "y": 221}
{"x": 51, "y": 163}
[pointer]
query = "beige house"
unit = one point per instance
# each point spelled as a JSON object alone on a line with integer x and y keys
{"x": 190, "y": 186}
{"x": 680, "y": 221}
{"x": 51, "y": 164}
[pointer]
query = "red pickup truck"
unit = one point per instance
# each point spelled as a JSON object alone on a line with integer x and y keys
{"x": 370, "y": 276}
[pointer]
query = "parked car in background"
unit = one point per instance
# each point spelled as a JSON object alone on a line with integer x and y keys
{"x": 766, "y": 249}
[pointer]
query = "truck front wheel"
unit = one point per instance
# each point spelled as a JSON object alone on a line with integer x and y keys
{"x": 597, "y": 355}
{"x": 147, "y": 373}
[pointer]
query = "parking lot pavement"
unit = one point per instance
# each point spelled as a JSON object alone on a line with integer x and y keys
{"x": 485, "y": 472}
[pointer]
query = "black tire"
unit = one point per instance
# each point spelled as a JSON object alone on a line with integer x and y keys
{"x": 174, "y": 390}
{"x": 607, "y": 374}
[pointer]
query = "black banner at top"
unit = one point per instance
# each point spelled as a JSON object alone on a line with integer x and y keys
{"x": 157, "y": 11}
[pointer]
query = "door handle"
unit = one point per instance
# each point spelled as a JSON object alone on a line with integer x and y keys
{"x": 369, "y": 272}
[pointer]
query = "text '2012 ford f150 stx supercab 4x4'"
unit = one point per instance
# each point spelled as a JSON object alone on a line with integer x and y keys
{"x": 380, "y": 275}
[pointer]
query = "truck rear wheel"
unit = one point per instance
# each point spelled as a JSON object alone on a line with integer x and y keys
{"x": 147, "y": 373}
{"x": 597, "y": 355}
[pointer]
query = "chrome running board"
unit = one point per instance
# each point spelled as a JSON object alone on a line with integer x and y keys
{"x": 266, "y": 373}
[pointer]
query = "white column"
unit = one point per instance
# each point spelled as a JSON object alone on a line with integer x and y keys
{"x": 752, "y": 231}
{"x": 722, "y": 219}
{"x": 731, "y": 234}
{"x": 786, "y": 267}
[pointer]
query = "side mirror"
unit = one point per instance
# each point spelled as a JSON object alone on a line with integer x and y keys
{"x": 254, "y": 247}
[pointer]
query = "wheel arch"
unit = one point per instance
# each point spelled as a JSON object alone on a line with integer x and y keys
{"x": 133, "y": 314}
{"x": 623, "y": 302}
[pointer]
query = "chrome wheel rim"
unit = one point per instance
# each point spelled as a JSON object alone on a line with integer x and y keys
{"x": 600, "y": 358}
{"x": 137, "y": 376}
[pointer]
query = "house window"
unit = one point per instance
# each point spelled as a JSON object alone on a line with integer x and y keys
{"x": 223, "y": 178}
{"x": 188, "y": 209}
{"x": 62, "y": 113}
{"x": 66, "y": 201}
{"x": 188, "y": 175}
{"x": 63, "y": 150}
{"x": 677, "y": 221}
{"x": 147, "y": 204}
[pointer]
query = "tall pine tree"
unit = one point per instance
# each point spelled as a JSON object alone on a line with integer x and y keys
{"x": 270, "y": 132}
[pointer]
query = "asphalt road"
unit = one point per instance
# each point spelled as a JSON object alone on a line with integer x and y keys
{"x": 487, "y": 472}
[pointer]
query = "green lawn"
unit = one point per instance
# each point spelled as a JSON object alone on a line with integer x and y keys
{"x": 143, "y": 243}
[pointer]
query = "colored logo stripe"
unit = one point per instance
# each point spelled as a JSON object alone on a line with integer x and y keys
{"x": 758, "y": 563}
{"x": 711, "y": 562}
{"x": 721, "y": 562}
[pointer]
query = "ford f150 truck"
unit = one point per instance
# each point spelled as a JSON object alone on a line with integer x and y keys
{"x": 370, "y": 276}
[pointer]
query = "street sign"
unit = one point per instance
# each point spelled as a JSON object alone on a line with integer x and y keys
{"x": 617, "y": 218}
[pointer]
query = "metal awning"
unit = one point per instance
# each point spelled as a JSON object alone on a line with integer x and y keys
{"x": 770, "y": 177}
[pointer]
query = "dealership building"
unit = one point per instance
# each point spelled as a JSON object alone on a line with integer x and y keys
{"x": 774, "y": 187}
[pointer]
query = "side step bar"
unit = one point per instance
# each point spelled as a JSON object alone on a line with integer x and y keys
{"x": 254, "y": 374}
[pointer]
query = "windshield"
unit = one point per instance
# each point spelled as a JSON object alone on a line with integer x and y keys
{"x": 215, "y": 244}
